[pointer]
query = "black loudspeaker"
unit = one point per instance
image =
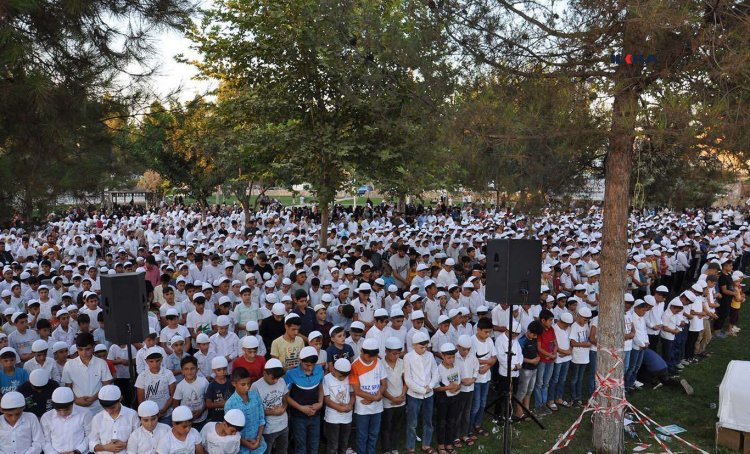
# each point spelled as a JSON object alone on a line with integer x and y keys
{"x": 514, "y": 271}
{"x": 125, "y": 306}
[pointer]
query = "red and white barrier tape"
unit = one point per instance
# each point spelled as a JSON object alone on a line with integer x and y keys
{"x": 605, "y": 386}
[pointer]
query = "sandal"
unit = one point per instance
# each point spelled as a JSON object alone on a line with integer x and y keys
{"x": 481, "y": 432}
{"x": 552, "y": 406}
{"x": 457, "y": 443}
{"x": 428, "y": 450}
{"x": 468, "y": 441}
{"x": 564, "y": 403}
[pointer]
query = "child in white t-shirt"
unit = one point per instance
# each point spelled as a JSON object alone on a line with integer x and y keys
{"x": 224, "y": 437}
{"x": 147, "y": 437}
{"x": 191, "y": 391}
{"x": 446, "y": 397}
{"x": 469, "y": 367}
{"x": 579, "y": 341}
{"x": 156, "y": 383}
{"x": 339, "y": 400}
{"x": 182, "y": 438}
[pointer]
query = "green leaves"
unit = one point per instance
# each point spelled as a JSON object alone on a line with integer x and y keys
{"x": 329, "y": 87}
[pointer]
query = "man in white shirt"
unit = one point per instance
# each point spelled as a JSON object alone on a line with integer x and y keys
{"x": 19, "y": 431}
{"x": 111, "y": 427}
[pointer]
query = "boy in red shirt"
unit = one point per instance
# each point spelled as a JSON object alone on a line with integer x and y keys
{"x": 547, "y": 347}
{"x": 250, "y": 360}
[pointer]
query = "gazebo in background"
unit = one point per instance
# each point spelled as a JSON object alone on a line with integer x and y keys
{"x": 124, "y": 197}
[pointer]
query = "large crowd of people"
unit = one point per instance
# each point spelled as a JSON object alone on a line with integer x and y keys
{"x": 261, "y": 340}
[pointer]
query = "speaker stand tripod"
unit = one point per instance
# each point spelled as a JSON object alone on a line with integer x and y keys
{"x": 508, "y": 410}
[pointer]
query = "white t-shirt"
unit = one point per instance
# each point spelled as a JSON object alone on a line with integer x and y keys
{"x": 339, "y": 391}
{"x": 272, "y": 396}
{"x": 86, "y": 380}
{"x": 627, "y": 330}
{"x": 216, "y": 444}
{"x": 193, "y": 395}
{"x": 367, "y": 377}
{"x": 580, "y": 333}
{"x": 483, "y": 350}
{"x": 201, "y": 323}
{"x": 469, "y": 367}
{"x": 171, "y": 445}
{"x": 168, "y": 333}
{"x": 394, "y": 382}
{"x": 116, "y": 352}
{"x": 696, "y": 323}
{"x": 669, "y": 320}
{"x": 563, "y": 342}
{"x": 179, "y": 307}
{"x": 501, "y": 317}
{"x": 448, "y": 376}
{"x": 142, "y": 441}
{"x": 156, "y": 386}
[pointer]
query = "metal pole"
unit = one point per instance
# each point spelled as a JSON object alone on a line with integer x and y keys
{"x": 131, "y": 366}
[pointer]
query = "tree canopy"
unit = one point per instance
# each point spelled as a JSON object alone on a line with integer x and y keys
{"x": 59, "y": 96}
{"x": 347, "y": 93}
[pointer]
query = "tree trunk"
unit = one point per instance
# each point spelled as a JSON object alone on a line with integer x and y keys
{"x": 401, "y": 203}
{"x": 323, "y": 206}
{"x": 608, "y": 421}
{"x": 260, "y": 194}
{"x": 243, "y": 196}
{"x": 27, "y": 206}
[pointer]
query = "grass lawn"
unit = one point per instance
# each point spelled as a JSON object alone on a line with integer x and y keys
{"x": 665, "y": 406}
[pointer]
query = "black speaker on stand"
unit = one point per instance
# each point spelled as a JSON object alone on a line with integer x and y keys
{"x": 514, "y": 277}
{"x": 125, "y": 307}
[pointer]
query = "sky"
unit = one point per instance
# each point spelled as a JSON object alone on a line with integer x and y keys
{"x": 172, "y": 75}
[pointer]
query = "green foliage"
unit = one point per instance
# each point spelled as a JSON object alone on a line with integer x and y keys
{"x": 330, "y": 89}
{"x": 63, "y": 148}
{"x": 682, "y": 160}
{"x": 512, "y": 136}
{"x": 58, "y": 99}
{"x": 184, "y": 145}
